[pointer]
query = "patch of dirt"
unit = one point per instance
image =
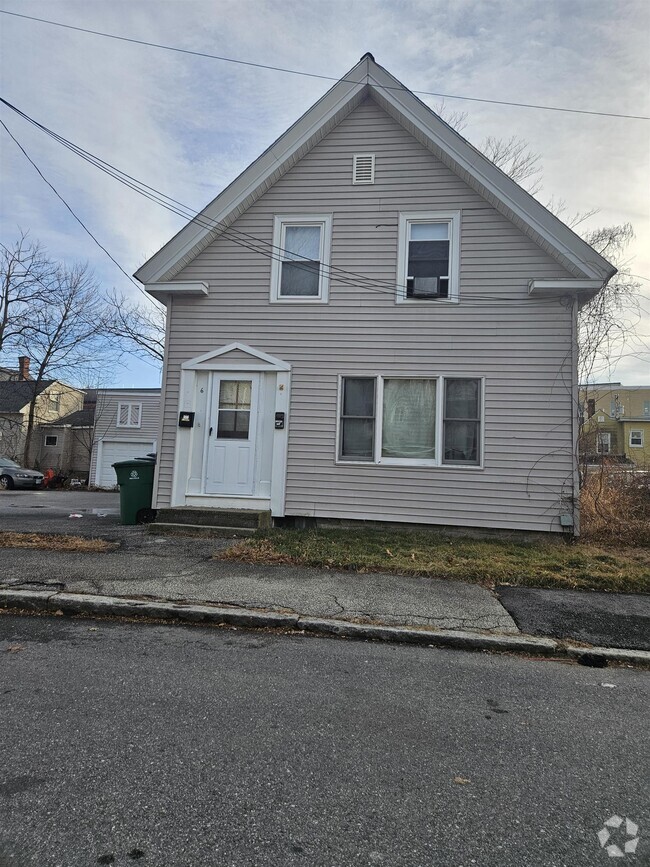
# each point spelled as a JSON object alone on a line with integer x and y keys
{"x": 51, "y": 542}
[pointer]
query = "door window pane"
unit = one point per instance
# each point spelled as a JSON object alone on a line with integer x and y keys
{"x": 409, "y": 418}
{"x": 358, "y": 419}
{"x": 234, "y": 409}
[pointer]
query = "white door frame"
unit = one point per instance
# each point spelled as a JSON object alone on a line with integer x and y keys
{"x": 187, "y": 439}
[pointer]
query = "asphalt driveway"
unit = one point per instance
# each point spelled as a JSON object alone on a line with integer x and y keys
{"x": 51, "y": 511}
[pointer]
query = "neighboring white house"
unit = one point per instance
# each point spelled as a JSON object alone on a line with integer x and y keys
{"x": 373, "y": 322}
{"x": 127, "y": 422}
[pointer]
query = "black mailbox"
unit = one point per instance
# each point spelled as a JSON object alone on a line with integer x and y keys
{"x": 186, "y": 419}
{"x": 279, "y": 421}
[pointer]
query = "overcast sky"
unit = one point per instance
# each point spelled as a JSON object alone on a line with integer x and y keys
{"x": 188, "y": 125}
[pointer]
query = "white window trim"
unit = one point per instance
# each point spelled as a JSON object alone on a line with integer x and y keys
{"x": 641, "y": 437}
{"x": 130, "y": 405}
{"x": 280, "y": 223}
{"x": 53, "y": 445}
{"x": 603, "y": 437}
{"x": 452, "y": 218}
{"x": 378, "y": 459}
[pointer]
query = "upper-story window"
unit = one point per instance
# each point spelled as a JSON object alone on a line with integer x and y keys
{"x": 129, "y": 414}
{"x": 428, "y": 257}
{"x": 301, "y": 258}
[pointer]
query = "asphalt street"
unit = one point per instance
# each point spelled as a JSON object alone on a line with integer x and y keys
{"x": 169, "y": 746}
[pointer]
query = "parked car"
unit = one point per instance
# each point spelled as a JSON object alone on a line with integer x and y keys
{"x": 12, "y": 475}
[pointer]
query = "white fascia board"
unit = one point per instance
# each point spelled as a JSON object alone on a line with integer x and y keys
{"x": 335, "y": 100}
{"x": 162, "y": 291}
{"x": 468, "y": 158}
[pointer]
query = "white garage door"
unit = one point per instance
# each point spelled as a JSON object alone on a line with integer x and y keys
{"x": 111, "y": 452}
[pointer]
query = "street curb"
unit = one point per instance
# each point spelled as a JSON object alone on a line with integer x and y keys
{"x": 115, "y": 606}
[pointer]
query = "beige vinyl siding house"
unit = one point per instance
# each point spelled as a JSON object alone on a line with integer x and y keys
{"x": 127, "y": 425}
{"x": 496, "y": 344}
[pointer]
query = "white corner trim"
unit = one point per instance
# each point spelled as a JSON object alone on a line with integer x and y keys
{"x": 162, "y": 291}
{"x": 210, "y": 360}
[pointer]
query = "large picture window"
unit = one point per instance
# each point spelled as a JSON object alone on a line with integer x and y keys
{"x": 428, "y": 257}
{"x": 428, "y": 421}
{"x": 300, "y": 265}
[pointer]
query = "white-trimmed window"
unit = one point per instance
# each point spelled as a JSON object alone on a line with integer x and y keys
{"x": 636, "y": 439}
{"x": 51, "y": 440}
{"x": 603, "y": 442}
{"x": 129, "y": 414}
{"x": 411, "y": 421}
{"x": 428, "y": 257}
{"x": 301, "y": 258}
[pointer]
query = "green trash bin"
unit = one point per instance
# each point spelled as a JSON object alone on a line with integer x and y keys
{"x": 135, "y": 478}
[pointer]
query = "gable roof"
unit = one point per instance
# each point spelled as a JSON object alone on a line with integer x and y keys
{"x": 365, "y": 79}
{"x": 14, "y": 395}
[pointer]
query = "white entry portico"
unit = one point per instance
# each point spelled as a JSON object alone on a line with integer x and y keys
{"x": 231, "y": 439}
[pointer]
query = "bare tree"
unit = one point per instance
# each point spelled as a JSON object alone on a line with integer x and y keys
{"x": 65, "y": 330}
{"x": 25, "y": 274}
{"x": 136, "y": 328}
{"x": 515, "y": 157}
{"x": 605, "y": 322}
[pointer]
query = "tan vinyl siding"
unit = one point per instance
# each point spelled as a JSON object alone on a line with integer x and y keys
{"x": 521, "y": 345}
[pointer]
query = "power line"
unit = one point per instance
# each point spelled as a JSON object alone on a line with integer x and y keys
{"x": 237, "y": 236}
{"x": 317, "y": 75}
{"x": 78, "y": 219}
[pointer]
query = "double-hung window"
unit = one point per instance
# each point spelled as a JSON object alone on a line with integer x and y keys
{"x": 636, "y": 439}
{"x": 301, "y": 257}
{"x": 428, "y": 257}
{"x": 603, "y": 442}
{"x": 417, "y": 421}
{"x": 129, "y": 415}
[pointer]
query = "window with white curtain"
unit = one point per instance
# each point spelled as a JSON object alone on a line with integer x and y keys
{"x": 301, "y": 254}
{"x": 427, "y": 421}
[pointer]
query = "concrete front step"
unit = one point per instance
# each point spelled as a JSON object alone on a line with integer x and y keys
{"x": 162, "y": 529}
{"x": 237, "y": 519}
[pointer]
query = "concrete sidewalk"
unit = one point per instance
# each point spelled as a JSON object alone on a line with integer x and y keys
{"x": 183, "y": 571}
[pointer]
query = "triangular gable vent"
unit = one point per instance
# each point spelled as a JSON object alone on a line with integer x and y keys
{"x": 363, "y": 169}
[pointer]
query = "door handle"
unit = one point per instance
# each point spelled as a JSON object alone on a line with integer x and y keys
{"x": 210, "y": 434}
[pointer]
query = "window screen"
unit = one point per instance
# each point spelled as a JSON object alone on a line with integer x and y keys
{"x": 358, "y": 419}
{"x": 300, "y": 270}
{"x": 462, "y": 421}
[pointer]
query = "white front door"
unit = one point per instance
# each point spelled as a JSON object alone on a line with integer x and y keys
{"x": 232, "y": 434}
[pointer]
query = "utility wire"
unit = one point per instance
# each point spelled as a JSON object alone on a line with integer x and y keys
{"x": 316, "y": 75}
{"x": 238, "y": 237}
{"x": 78, "y": 219}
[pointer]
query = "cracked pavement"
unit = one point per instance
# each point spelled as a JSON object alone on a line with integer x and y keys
{"x": 184, "y": 569}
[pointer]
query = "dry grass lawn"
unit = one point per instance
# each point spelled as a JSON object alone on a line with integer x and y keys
{"x": 48, "y": 542}
{"x": 579, "y": 566}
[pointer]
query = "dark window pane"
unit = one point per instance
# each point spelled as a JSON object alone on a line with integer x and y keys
{"x": 428, "y": 259}
{"x": 359, "y": 397}
{"x": 233, "y": 424}
{"x": 300, "y": 278}
{"x": 462, "y": 398}
{"x": 461, "y": 442}
{"x": 357, "y": 438}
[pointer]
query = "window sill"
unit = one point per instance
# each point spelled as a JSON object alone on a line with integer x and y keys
{"x": 299, "y": 299}
{"x": 413, "y": 465}
{"x": 423, "y": 301}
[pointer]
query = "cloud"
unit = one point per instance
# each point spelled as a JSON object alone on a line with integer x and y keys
{"x": 188, "y": 125}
